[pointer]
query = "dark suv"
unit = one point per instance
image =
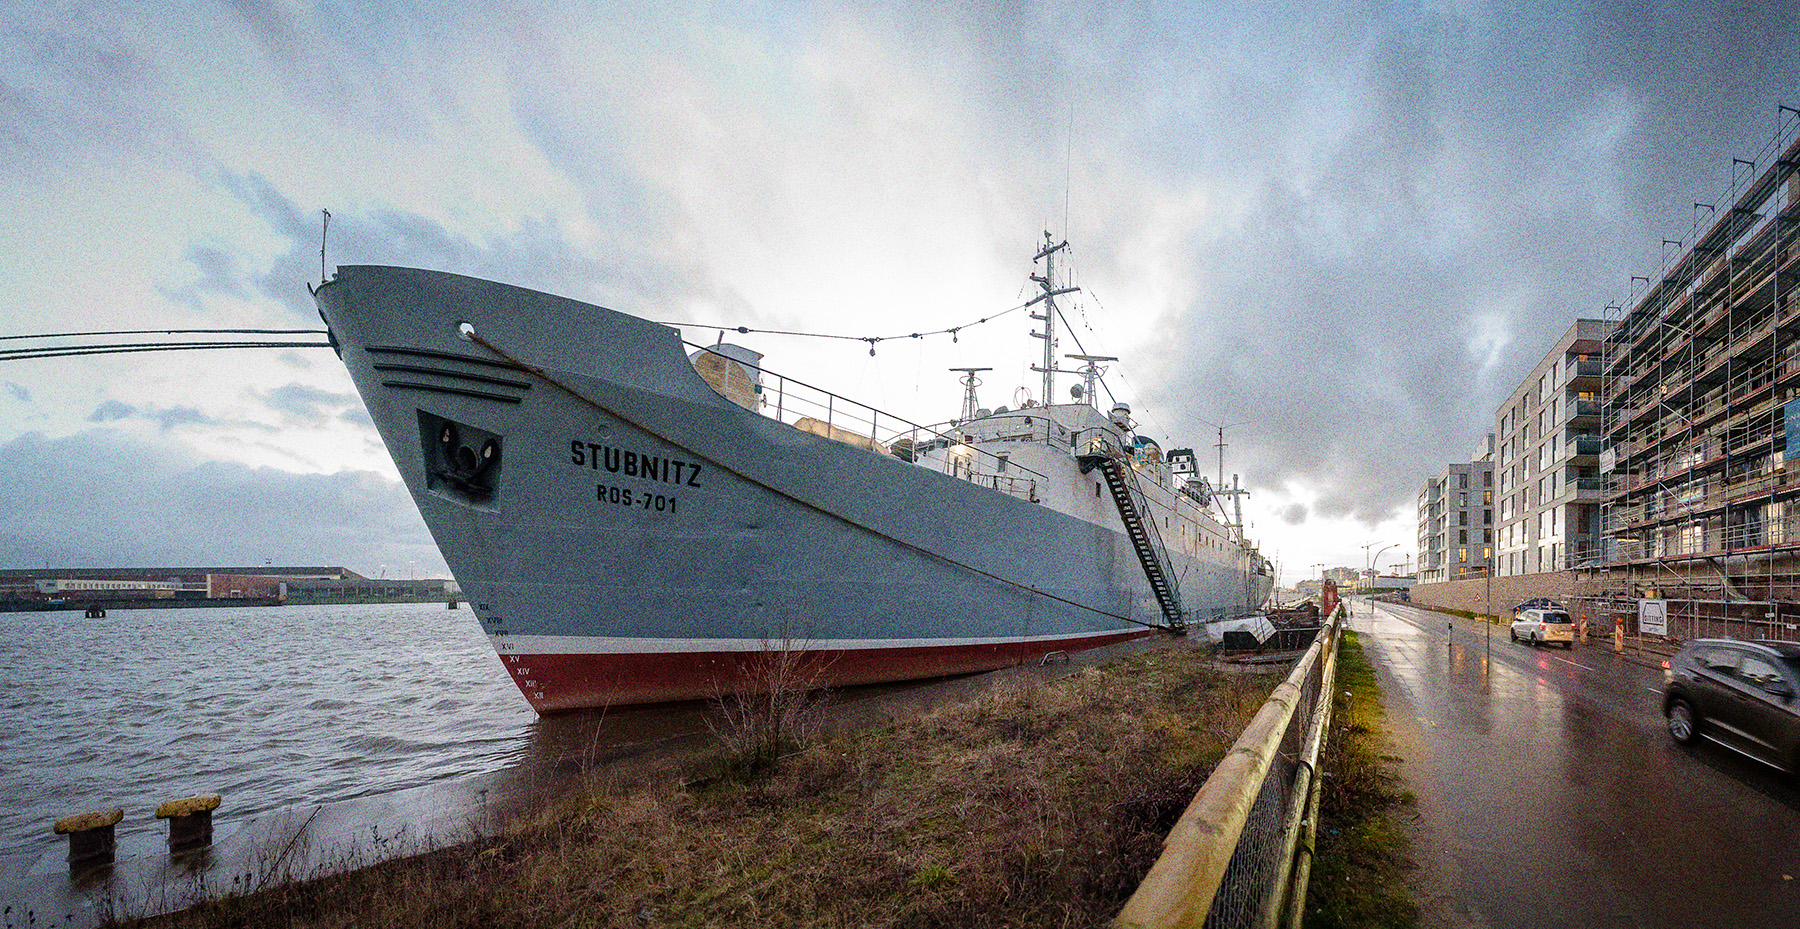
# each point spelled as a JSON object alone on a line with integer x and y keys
{"x": 1537, "y": 603}
{"x": 1743, "y": 695}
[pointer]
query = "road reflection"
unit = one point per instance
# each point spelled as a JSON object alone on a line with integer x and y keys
{"x": 1550, "y": 795}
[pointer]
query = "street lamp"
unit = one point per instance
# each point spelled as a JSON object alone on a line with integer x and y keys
{"x": 1368, "y": 562}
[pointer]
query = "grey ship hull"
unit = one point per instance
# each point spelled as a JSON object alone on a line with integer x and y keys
{"x": 626, "y": 535}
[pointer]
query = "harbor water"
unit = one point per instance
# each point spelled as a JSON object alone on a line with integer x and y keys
{"x": 269, "y": 706}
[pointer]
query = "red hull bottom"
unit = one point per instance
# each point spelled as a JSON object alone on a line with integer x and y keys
{"x": 555, "y": 683}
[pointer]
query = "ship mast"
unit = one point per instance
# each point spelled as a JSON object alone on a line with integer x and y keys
{"x": 1047, "y": 282}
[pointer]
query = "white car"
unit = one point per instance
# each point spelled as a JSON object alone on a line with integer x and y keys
{"x": 1536, "y": 627}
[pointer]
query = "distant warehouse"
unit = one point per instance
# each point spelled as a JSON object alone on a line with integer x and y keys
{"x": 50, "y": 587}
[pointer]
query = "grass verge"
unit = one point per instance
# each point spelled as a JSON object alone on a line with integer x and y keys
{"x": 1465, "y": 614}
{"x": 1360, "y": 869}
{"x": 1036, "y": 804}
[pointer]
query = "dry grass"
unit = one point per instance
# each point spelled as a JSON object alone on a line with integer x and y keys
{"x": 1031, "y": 805}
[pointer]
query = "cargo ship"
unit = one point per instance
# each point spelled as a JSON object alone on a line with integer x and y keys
{"x": 639, "y": 519}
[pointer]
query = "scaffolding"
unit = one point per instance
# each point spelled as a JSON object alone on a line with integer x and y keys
{"x": 1700, "y": 508}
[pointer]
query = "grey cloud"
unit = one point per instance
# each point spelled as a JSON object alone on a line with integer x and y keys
{"x": 112, "y": 410}
{"x": 218, "y": 274}
{"x": 1348, "y": 317}
{"x": 170, "y": 417}
{"x": 18, "y": 391}
{"x": 77, "y": 88}
{"x": 181, "y": 415}
{"x": 102, "y": 498}
{"x": 537, "y": 255}
{"x": 303, "y": 403}
{"x": 1294, "y": 514}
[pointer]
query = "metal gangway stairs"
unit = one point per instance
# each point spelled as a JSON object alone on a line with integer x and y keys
{"x": 1146, "y": 539}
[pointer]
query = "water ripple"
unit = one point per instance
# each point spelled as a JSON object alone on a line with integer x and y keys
{"x": 269, "y": 705}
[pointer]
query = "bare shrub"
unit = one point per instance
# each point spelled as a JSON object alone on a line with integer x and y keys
{"x": 775, "y": 705}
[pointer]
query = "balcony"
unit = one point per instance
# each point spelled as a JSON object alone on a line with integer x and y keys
{"x": 1585, "y": 446}
{"x": 1585, "y": 412}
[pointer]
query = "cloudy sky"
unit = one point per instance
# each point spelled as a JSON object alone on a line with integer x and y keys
{"x": 1345, "y": 231}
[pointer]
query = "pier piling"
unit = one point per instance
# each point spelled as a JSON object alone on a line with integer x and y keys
{"x": 90, "y": 837}
{"x": 190, "y": 821}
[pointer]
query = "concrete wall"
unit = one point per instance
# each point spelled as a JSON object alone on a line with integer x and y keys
{"x": 1472, "y": 595}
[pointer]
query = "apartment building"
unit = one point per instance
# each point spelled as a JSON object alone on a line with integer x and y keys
{"x": 1456, "y": 518}
{"x": 1702, "y": 426}
{"x": 1548, "y": 458}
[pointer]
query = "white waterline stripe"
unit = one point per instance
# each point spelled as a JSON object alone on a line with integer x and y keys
{"x": 606, "y": 645}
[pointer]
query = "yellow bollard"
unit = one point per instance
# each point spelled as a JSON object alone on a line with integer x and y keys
{"x": 90, "y": 836}
{"x": 190, "y": 821}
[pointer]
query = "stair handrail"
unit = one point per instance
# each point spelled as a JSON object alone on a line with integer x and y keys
{"x": 1169, "y": 599}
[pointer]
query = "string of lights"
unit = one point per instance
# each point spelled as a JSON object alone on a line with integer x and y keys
{"x": 951, "y": 331}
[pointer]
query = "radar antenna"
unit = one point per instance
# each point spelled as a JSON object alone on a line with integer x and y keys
{"x": 1090, "y": 373}
{"x": 969, "y": 382}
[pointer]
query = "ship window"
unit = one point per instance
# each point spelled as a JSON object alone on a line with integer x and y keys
{"x": 1096, "y": 491}
{"x": 1002, "y": 465}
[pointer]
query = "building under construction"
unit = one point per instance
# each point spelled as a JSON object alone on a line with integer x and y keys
{"x": 1701, "y": 378}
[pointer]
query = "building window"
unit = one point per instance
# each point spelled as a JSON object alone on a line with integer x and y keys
{"x": 1487, "y": 517}
{"x": 1462, "y": 518}
{"x": 1462, "y": 480}
{"x": 1487, "y": 497}
{"x": 1462, "y": 555}
{"x": 1487, "y": 478}
{"x": 1463, "y": 536}
{"x": 1462, "y": 500}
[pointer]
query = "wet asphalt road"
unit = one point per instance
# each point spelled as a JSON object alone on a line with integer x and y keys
{"x": 1549, "y": 793}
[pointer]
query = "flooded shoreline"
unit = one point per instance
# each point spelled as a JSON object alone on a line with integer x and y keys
{"x": 269, "y": 706}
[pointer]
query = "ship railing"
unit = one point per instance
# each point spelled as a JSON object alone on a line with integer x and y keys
{"x": 1041, "y": 430}
{"x": 1022, "y": 487}
{"x": 814, "y": 409}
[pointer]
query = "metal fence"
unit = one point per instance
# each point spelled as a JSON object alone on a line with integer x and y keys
{"x": 1241, "y": 853}
{"x": 834, "y": 416}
